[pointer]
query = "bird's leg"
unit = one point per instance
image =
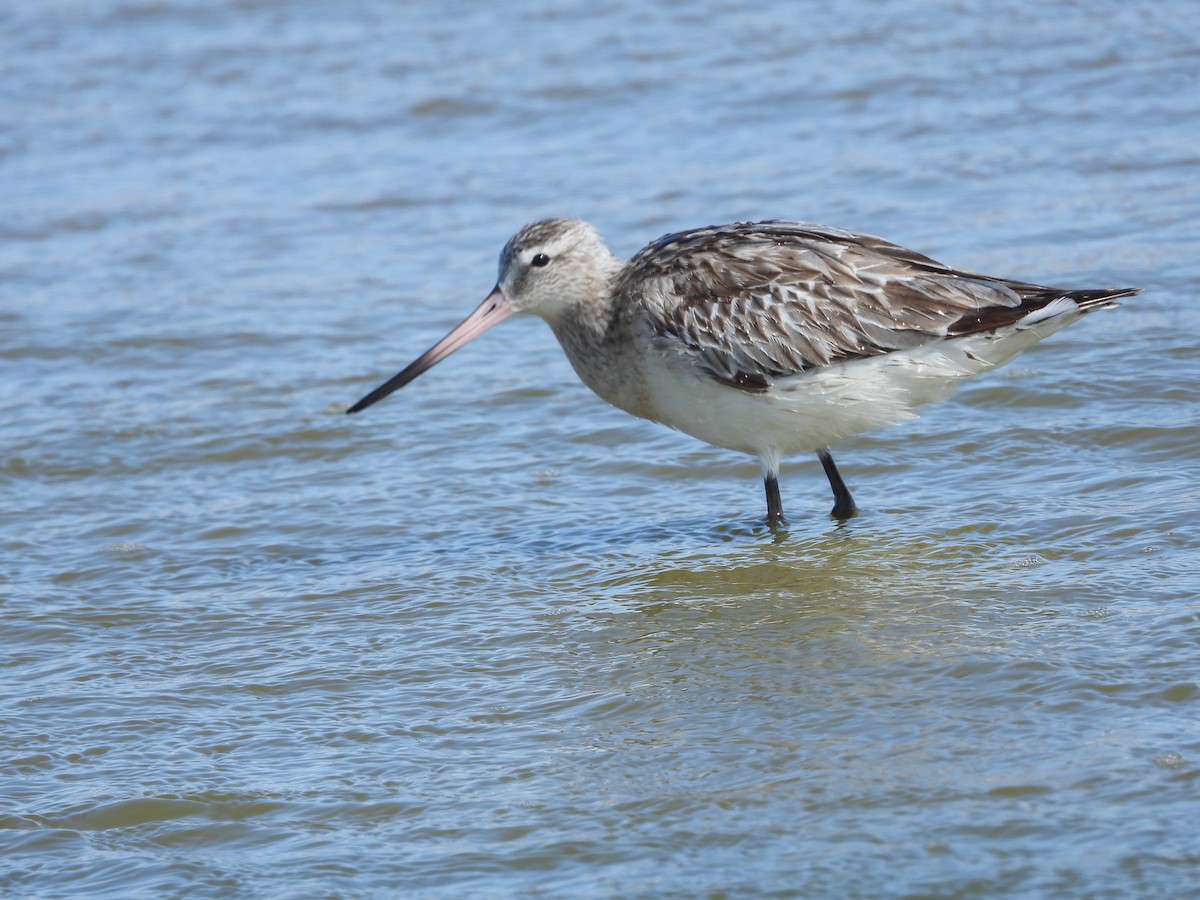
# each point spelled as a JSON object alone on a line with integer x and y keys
{"x": 774, "y": 502}
{"x": 843, "y": 503}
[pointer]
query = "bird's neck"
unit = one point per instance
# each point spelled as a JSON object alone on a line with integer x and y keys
{"x": 595, "y": 337}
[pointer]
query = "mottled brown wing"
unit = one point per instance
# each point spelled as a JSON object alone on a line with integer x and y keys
{"x": 756, "y": 301}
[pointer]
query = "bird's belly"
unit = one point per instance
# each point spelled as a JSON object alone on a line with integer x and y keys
{"x": 809, "y": 413}
{"x": 823, "y": 406}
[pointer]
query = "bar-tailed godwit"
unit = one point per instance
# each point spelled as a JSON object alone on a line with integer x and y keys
{"x": 764, "y": 337}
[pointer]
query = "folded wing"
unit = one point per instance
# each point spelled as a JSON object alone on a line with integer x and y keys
{"x": 753, "y": 302}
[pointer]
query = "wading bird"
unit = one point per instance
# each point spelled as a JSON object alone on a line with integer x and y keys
{"x": 765, "y": 337}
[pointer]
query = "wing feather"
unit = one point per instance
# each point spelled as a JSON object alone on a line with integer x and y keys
{"x": 756, "y": 301}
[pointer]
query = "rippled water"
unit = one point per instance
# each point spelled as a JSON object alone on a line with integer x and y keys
{"x": 494, "y": 638}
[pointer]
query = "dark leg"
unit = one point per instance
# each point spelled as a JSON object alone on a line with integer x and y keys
{"x": 843, "y": 503}
{"x": 774, "y": 503}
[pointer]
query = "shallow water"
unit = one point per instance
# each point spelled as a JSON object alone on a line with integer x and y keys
{"x": 493, "y": 637}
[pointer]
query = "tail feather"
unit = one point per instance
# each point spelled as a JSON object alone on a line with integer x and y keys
{"x": 1034, "y": 298}
{"x": 1100, "y": 299}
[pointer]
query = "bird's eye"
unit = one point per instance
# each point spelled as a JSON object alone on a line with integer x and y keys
{"x": 541, "y": 259}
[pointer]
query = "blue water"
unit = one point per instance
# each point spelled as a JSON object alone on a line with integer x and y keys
{"x": 493, "y": 637}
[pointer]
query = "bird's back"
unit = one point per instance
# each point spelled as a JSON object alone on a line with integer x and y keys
{"x": 754, "y": 302}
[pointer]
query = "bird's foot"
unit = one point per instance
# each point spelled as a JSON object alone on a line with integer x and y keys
{"x": 843, "y": 511}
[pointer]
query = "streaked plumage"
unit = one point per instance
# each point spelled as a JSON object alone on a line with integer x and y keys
{"x": 765, "y": 337}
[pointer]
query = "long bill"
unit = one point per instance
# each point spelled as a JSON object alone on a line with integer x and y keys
{"x": 491, "y": 312}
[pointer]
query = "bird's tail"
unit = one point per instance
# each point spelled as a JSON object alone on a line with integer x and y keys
{"x": 1099, "y": 298}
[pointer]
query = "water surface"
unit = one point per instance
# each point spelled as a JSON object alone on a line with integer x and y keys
{"x": 493, "y": 637}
